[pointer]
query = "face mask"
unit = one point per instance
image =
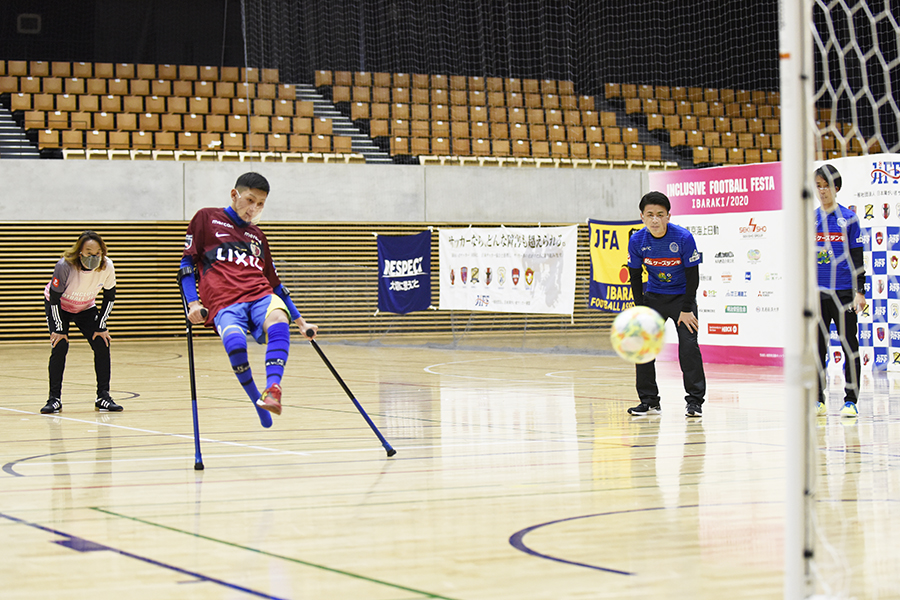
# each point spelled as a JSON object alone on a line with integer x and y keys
{"x": 257, "y": 218}
{"x": 90, "y": 262}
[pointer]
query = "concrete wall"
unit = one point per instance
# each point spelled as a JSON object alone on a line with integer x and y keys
{"x": 44, "y": 190}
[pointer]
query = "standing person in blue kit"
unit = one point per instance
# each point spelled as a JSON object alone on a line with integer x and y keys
{"x": 670, "y": 255}
{"x": 842, "y": 279}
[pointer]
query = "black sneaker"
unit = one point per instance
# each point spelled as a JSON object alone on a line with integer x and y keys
{"x": 53, "y": 406}
{"x": 644, "y": 409}
{"x": 105, "y": 403}
{"x": 693, "y": 410}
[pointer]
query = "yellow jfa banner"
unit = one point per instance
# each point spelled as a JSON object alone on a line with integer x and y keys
{"x": 610, "y": 289}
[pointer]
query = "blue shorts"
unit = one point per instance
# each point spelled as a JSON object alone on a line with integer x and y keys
{"x": 249, "y": 317}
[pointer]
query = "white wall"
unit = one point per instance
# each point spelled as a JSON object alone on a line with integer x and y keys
{"x": 57, "y": 190}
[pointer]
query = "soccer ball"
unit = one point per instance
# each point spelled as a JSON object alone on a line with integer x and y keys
{"x": 637, "y": 334}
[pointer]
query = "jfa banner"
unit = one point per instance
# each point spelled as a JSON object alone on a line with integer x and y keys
{"x": 510, "y": 269}
{"x": 404, "y": 267}
{"x": 610, "y": 289}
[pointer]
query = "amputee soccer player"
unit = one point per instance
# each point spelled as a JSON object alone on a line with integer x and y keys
{"x": 240, "y": 288}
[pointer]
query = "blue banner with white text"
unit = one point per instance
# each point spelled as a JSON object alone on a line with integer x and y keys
{"x": 404, "y": 267}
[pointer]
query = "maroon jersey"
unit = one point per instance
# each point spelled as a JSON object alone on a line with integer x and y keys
{"x": 233, "y": 262}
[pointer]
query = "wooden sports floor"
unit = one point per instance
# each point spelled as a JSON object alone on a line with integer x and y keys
{"x": 518, "y": 475}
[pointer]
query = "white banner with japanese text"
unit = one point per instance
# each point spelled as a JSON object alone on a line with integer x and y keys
{"x": 509, "y": 269}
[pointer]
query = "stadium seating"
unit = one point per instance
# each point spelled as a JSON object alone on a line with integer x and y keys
{"x": 746, "y": 122}
{"x": 184, "y": 112}
{"x": 100, "y": 110}
{"x": 457, "y": 119}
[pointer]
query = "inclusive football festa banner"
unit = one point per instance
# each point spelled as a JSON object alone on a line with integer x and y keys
{"x": 734, "y": 214}
{"x": 404, "y": 267}
{"x": 610, "y": 290}
{"x": 509, "y": 269}
{"x": 870, "y": 187}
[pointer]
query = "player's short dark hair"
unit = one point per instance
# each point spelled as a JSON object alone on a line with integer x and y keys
{"x": 252, "y": 181}
{"x": 829, "y": 174}
{"x": 656, "y": 199}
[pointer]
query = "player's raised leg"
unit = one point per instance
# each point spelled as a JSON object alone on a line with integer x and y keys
{"x": 278, "y": 342}
{"x": 232, "y": 323}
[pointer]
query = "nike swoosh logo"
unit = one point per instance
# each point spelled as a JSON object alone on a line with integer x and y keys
{"x": 221, "y": 235}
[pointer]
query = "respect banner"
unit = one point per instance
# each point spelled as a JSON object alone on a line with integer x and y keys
{"x": 509, "y": 269}
{"x": 610, "y": 290}
{"x": 404, "y": 267}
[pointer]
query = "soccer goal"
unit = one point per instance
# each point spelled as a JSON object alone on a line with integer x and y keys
{"x": 839, "y": 69}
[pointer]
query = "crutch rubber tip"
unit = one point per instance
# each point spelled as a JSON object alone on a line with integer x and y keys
{"x": 391, "y": 452}
{"x": 198, "y": 466}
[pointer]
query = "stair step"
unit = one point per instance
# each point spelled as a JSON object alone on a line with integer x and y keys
{"x": 13, "y": 141}
{"x": 342, "y": 125}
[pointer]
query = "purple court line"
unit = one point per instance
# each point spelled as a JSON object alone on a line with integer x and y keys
{"x": 10, "y": 467}
{"x": 82, "y": 545}
{"x": 516, "y": 540}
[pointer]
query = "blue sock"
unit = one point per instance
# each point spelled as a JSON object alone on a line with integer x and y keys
{"x": 236, "y": 347}
{"x": 279, "y": 343}
{"x": 235, "y": 343}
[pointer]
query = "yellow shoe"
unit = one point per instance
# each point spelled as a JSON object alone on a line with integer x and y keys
{"x": 821, "y": 410}
{"x": 849, "y": 410}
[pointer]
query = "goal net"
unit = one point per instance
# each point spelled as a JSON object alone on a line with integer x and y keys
{"x": 840, "y": 70}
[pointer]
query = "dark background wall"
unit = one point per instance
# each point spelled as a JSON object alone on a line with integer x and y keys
{"x": 691, "y": 43}
{"x": 708, "y": 43}
{"x": 135, "y": 31}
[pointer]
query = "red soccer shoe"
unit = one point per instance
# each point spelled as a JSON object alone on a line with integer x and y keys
{"x": 271, "y": 399}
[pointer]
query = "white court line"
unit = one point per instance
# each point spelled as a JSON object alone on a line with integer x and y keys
{"x": 429, "y": 368}
{"x": 275, "y": 451}
{"x": 282, "y": 452}
{"x": 151, "y": 431}
{"x": 286, "y": 452}
{"x": 552, "y": 374}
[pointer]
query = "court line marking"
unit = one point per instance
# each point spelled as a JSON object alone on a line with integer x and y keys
{"x": 272, "y": 554}
{"x": 151, "y": 431}
{"x": 10, "y": 466}
{"x": 80, "y": 544}
{"x": 429, "y": 370}
{"x": 516, "y": 540}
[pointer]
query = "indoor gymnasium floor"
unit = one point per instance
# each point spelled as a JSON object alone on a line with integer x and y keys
{"x": 518, "y": 475}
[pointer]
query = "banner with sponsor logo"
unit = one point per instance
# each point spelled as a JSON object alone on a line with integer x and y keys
{"x": 870, "y": 187}
{"x": 734, "y": 214}
{"x": 610, "y": 290}
{"x": 509, "y": 269}
{"x": 404, "y": 267}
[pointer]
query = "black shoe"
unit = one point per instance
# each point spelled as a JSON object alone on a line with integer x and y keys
{"x": 53, "y": 406}
{"x": 693, "y": 410}
{"x": 644, "y": 409}
{"x": 105, "y": 403}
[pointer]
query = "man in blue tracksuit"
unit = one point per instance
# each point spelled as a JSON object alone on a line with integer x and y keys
{"x": 841, "y": 279}
{"x": 670, "y": 255}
